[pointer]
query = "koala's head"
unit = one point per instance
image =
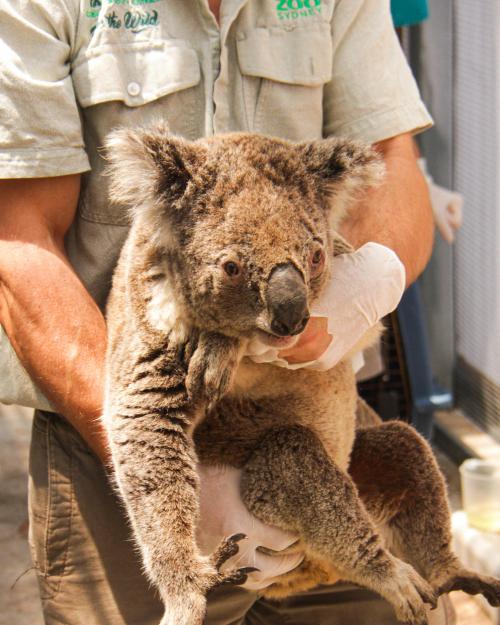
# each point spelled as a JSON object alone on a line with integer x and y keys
{"x": 241, "y": 226}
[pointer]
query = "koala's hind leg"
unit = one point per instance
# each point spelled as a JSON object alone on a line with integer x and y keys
{"x": 291, "y": 482}
{"x": 402, "y": 488}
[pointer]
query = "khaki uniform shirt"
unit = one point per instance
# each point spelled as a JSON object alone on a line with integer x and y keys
{"x": 71, "y": 70}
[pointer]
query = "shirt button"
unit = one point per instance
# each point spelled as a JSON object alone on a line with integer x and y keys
{"x": 133, "y": 88}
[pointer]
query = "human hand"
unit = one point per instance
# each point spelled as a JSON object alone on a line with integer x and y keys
{"x": 223, "y": 514}
{"x": 447, "y": 206}
{"x": 312, "y": 343}
{"x": 365, "y": 286}
{"x": 447, "y": 209}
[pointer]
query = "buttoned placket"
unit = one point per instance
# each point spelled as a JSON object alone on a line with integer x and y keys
{"x": 210, "y": 62}
{"x": 230, "y": 10}
{"x": 217, "y": 113}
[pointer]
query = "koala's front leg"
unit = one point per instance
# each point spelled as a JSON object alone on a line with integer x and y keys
{"x": 212, "y": 367}
{"x": 149, "y": 417}
{"x": 291, "y": 482}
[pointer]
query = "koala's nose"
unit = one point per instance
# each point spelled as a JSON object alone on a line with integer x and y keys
{"x": 287, "y": 301}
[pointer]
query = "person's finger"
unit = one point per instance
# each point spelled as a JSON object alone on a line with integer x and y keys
{"x": 270, "y": 569}
{"x": 312, "y": 343}
{"x": 258, "y": 535}
{"x": 445, "y": 230}
{"x": 269, "y": 536}
{"x": 455, "y": 213}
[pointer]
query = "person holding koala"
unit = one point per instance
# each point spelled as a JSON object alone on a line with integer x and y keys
{"x": 74, "y": 70}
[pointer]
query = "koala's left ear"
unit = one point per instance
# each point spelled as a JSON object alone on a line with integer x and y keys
{"x": 342, "y": 169}
{"x": 150, "y": 169}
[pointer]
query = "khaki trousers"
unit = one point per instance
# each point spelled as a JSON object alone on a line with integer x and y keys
{"x": 90, "y": 574}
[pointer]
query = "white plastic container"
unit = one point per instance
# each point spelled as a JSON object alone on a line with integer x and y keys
{"x": 479, "y": 551}
{"x": 481, "y": 493}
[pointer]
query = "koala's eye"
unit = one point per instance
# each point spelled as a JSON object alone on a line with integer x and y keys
{"x": 317, "y": 262}
{"x": 317, "y": 257}
{"x": 232, "y": 269}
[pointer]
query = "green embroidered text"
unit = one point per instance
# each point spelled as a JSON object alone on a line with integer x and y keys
{"x": 295, "y": 9}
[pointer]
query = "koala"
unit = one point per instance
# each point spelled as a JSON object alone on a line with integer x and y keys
{"x": 231, "y": 239}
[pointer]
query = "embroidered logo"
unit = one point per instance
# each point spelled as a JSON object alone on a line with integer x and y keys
{"x": 296, "y": 9}
{"x": 135, "y": 19}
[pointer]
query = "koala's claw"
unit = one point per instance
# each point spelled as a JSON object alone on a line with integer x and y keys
{"x": 408, "y": 593}
{"x": 428, "y": 595}
{"x": 239, "y": 576}
{"x": 227, "y": 549}
{"x": 473, "y": 584}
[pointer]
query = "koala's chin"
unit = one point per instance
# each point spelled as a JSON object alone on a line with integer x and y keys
{"x": 266, "y": 340}
{"x": 264, "y": 346}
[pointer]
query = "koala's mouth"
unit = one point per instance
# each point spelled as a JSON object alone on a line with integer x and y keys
{"x": 281, "y": 342}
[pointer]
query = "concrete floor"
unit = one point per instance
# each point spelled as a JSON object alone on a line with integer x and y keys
{"x": 19, "y": 599}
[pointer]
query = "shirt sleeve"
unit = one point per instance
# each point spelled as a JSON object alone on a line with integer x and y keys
{"x": 372, "y": 95}
{"x": 40, "y": 128}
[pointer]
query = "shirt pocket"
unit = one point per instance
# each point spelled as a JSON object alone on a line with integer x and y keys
{"x": 50, "y": 501}
{"x": 131, "y": 85}
{"x": 284, "y": 72}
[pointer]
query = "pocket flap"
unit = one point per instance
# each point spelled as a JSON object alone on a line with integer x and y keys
{"x": 136, "y": 73}
{"x": 302, "y": 56}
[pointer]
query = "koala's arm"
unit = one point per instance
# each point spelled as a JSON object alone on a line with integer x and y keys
{"x": 398, "y": 213}
{"x": 213, "y": 366}
{"x": 150, "y": 413}
{"x": 54, "y": 326}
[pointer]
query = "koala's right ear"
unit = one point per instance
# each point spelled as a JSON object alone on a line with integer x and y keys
{"x": 150, "y": 169}
{"x": 342, "y": 168}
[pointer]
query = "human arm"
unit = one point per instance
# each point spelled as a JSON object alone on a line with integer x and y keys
{"x": 54, "y": 326}
{"x": 398, "y": 213}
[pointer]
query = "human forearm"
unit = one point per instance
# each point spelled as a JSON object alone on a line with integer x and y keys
{"x": 52, "y": 322}
{"x": 57, "y": 331}
{"x": 397, "y": 214}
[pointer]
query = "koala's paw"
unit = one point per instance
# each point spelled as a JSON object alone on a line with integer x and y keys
{"x": 227, "y": 549}
{"x": 188, "y": 605}
{"x": 473, "y": 584}
{"x": 408, "y": 593}
{"x": 212, "y": 367}
{"x": 214, "y": 576}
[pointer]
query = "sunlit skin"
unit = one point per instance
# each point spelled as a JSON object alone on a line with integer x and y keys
{"x": 214, "y": 6}
{"x": 44, "y": 306}
{"x": 311, "y": 344}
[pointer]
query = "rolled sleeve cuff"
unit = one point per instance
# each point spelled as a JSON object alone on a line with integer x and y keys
{"x": 382, "y": 125}
{"x": 30, "y": 163}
